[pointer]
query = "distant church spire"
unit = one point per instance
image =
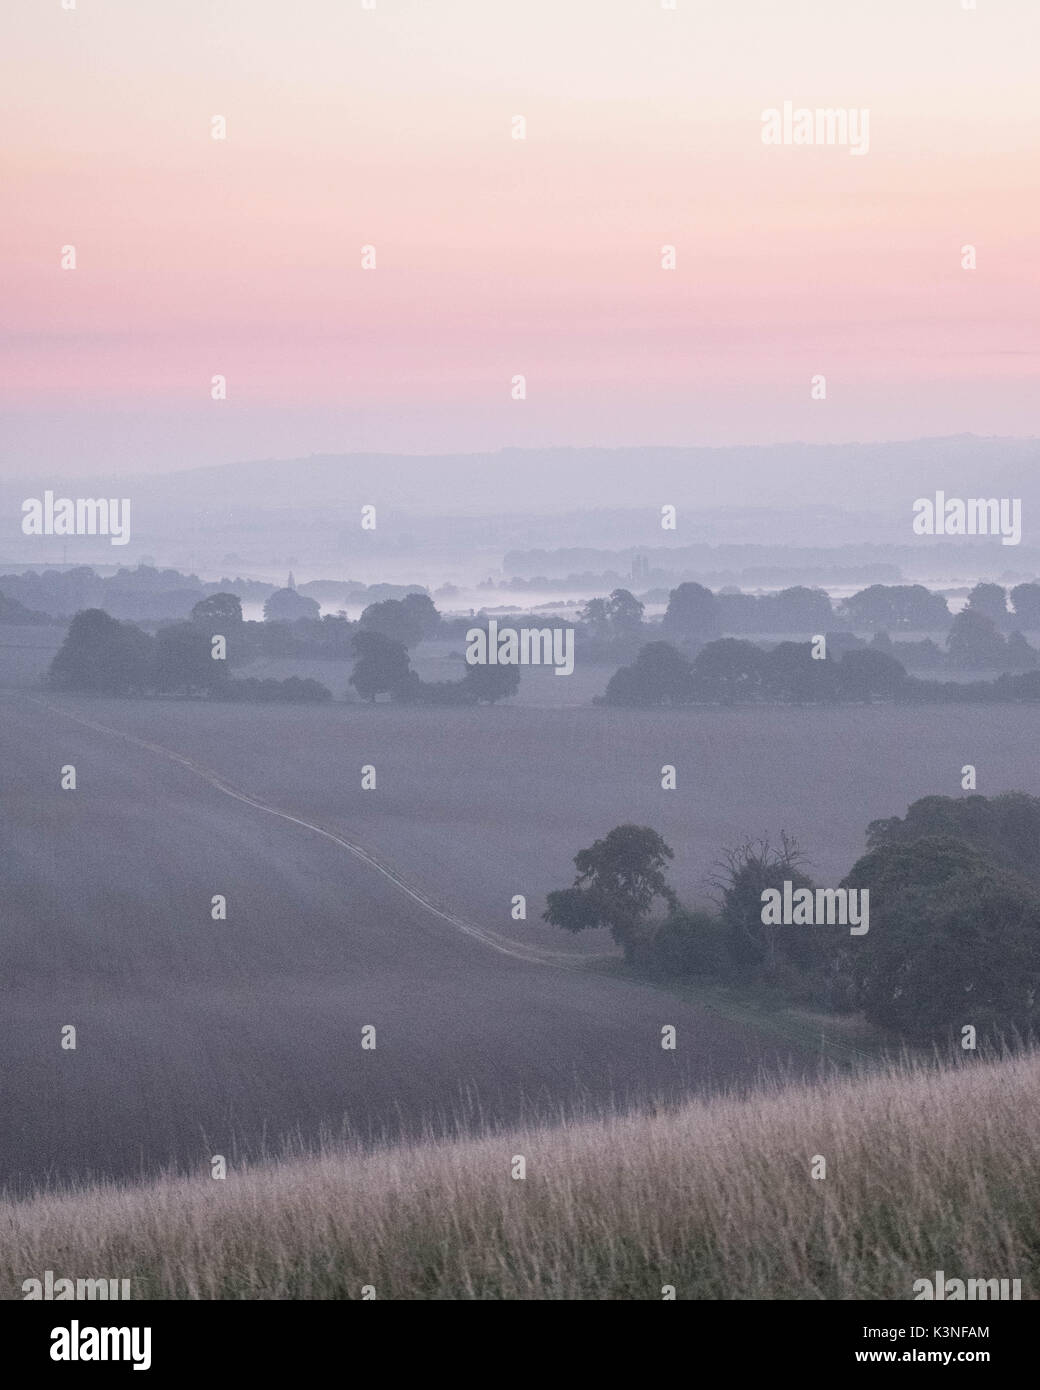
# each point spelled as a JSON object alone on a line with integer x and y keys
{"x": 291, "y": 582}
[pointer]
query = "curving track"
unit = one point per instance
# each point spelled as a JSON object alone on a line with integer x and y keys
{"x": 197, "y": 1037}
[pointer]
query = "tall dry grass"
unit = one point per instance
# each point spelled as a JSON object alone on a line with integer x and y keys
{"x": 927, "y": 1169}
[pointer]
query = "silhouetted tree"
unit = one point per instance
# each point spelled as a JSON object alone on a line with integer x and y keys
{"x": 692, "y": 613}
{"x": 1019, "y": 655}
{"x": 618, "y": 879}
{"x": 103, "y": 656}
{"x": 381, "y": 666}
{"x": 797, "y": 609}
{"x": 739, "y": 612}
{"x": 406, "y": 620}
{"x": 899, "y": 606}
{"x": 595, "y": 616}
{"x": 184, "y": 660}
{"x": 990, "y": 600}
{"x": 1006, "y": 827}
{"x": 741, "y": 876}
{"x": 624, "y": 612}
{"x": 1025, "y": 599}
{"x": 660, "y": 675}
{"x": 216, "y": 612}
{"x": 974, "y": 642}
{"x": 870, "y": 672}
{"x": 730, "y": 670}
{"x": 286, "y": 605}
{"x": 487, "y": 684}
{"x": 791, "y": 672}
{"x": 688, "y": 943}
{"x": 954, "y": 939}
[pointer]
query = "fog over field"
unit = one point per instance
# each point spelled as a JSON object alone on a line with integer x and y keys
{"x": 286, "y": 866}
{"x": 519, "y": 671}
{"x": 479, "y": 805}
{"x": 190, "y": 1037}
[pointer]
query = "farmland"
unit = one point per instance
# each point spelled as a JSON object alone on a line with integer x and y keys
{"x": 197, "y": 1036}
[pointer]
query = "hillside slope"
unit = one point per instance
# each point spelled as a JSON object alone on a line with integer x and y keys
{"x": 925, "y": 1171}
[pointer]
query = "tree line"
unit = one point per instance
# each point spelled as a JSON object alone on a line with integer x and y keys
{"x": 732, "y": 670}
{"x": 954, "y": 935}
{"x": 105, "y": 656}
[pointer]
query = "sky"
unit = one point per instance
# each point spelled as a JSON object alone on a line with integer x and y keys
{"x": 393, "y": 127}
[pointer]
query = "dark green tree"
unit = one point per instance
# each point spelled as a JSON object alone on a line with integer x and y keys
{"x": 184, "y": 660}
{"x": 103, "y": 656}
{"x": 596, "y": 617}
{"x": 381, "y": 666}
{"x": 730, "y": 670}
{"x": 741, "y": 876}
{"x": 486, "y": 684}
{"x": 798, "y": 609}
{"x": 954, "y": 940}
{"x": 975, "y": 643}
{"x": 660, "y": 675}
{"x": 1019, "y": 655}
{"x": 791, "y": 672}
{"x": 990, "y": 600}
{"x": 1025, "y": 599}
{"x": 689, "y": 943}
{"x": 618, "y": 880}
{"x": 624, "y": 612}
{"x": 218, "y": 612}
{"x": 286, "y": 605}
{"x": 406, "y": 620}
{"x": 692, "y": 614}
{"x": 897, "y": 606}
{"x": 867, "y": 672}
{"x": 1005, "y": 827}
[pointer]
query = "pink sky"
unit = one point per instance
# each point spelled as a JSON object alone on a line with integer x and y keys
{"x": 496, "y": 256}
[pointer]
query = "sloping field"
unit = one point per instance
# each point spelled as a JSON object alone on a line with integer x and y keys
{"x": 479, "y": 804}
{"x": 196, "y": 1037}
{"x": 925, "y": 1171}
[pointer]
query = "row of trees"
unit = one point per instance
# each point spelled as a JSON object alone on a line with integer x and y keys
{"x": 976, "y": 638}
{"x": 103, "y": 656}
{"x": 383, "y": 668}
{"x": 954, "y": 933}
{"x": 143, "y": 593}
{"x": 409, "y": 620}
{"x": 613, "y": 625}
{"x": 146, "y": 593}
{"x": 696, "y": 614}
{"x": 732, "y": 670}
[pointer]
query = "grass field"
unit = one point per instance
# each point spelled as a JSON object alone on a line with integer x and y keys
{"x": 925, "y": 1170}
